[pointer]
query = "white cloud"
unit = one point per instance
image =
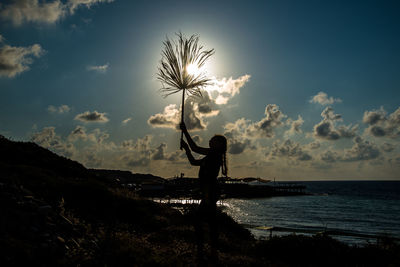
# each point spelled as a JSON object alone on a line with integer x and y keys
{"x": 92, "y": 117}
{"x": 141, "y": 144}
{"x": 60, "y": 110}
{"x": 171, "y": 117}
{"x": 15, "y": 60}
{"x": 237, "y": 128}
{"x": 48, "y": 138}
{"x": 235, "y": 132}
{"x": 374, "y": 117}
{"x": 78, "y": 133}
{"x": 74, "y": 4}
{"x": 326, "y": 129}
{"x": 92, "y": 159}
{"x": 289, "y": 149}
{"x": 295, "y": 126}
{"x": 100, "y": 68}
{"x": 199, "y": 108}
{"x": 242, "y": 132}
{"x": 159, "y": 153}
{"x": 361, "y": 150}
{"x": 314, "y": 145}
{"x": 205, "y": 105}
{"x": 197, "y": 139}
{"x": 329, "y": 114}
{"x": 381, "y": 124}
{"x": 224, "y": 89}
{"x": 266, "y": 126}
{"x": 96, "y": 136}
{"x": 236, "y": 147}
{"x": 193, "y": 118}
{"x": 94, "y": 149}
{"x": 387, "y": 147}
{"x": 125, "y": 122}
{"x": 21, "y": 11}
{"x": 323, "y": 99}
{"x": 330, "y": 156}
{"x": 238, "y": 141}
{"x": 35, "y": 11}
{"x": 141, "y": 153}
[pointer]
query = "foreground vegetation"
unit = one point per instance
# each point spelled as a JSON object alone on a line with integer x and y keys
{"x": 55, "y": 212}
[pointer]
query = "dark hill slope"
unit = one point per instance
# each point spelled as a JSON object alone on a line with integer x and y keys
{"x": 30, "y": 154}
{"x": 55, "y": 212}
{"x": 49, "y": 177}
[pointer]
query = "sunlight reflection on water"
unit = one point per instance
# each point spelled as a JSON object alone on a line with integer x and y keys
{"x": 355, "y": 212}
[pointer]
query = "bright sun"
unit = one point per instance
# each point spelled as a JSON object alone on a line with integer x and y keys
{"x": 192, "y": 69}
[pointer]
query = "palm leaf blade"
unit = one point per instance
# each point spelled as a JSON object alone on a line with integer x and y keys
{"x": 176, "y": 56}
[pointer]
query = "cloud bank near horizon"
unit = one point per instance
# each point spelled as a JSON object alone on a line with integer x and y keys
{"x": 275, "y": 143}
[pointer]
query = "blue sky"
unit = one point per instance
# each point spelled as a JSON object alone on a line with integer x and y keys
{"x": 310, "y": 88}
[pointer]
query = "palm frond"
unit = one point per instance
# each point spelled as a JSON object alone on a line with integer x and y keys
{"x": 176, "y": 56}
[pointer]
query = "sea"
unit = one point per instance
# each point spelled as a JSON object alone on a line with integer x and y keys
{"x": 354, "y": 212}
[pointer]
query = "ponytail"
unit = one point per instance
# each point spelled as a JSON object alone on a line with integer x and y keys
{"x": 222, "y": 149}
{"x": 224, "y": 165}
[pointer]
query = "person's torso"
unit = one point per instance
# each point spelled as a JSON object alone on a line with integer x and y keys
{"x": 208, "y": 173}
{"x": 210, "y": 165}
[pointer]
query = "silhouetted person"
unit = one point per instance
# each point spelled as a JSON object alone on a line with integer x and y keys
{"x": 215, "y": 158}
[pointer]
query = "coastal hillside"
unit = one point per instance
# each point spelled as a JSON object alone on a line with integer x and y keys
{"x": 55, "y": 212}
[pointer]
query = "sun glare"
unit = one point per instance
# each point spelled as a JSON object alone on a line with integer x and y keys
{"x": 192, "y": 69}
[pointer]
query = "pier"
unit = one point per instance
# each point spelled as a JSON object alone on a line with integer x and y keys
{"x": 188, "y": 188}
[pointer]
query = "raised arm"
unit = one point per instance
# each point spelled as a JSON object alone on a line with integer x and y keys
{"x": 193, "y": 146}
{"x": 192, "y": 160}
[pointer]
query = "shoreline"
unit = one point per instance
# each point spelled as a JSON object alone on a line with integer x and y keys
{"x": 343, "y": 235}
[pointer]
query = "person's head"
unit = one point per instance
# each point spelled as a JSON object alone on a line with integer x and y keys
{"x": 218, "y": 144}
